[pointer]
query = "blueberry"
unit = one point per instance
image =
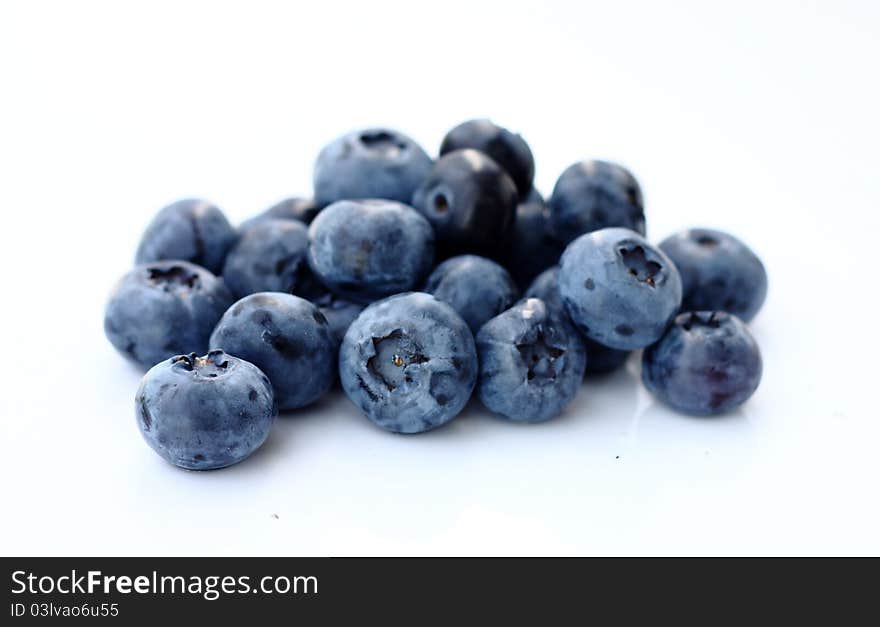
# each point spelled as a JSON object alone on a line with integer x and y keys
{"x": 205, "y": 412}
{"x": 372, "y": 163}
{"x": 409, "y": 363}
{"x": 507, "y": 149}
{"x": 600, "y": 359}
{"x": 718, "y": 272}
{"x": 475, "y": 287}
{"x": 532, "y": 362}
{"x": 534, "y": 196}
{"x": 191, "y": 230}
{"x": 618, "y": 289}
{"x": 533, "y": 248}
{"x": 546, "y": 287}
{"x": 163, "y": 309}
{"x": 470, "y": 201}
{"x": 294, "y": 208}
{"x": 271, "y": 256}
{"x": 593, "y": 195}
{"x": 340, "y": 314}
{"x": 707, "y": 363}
{"x": 365, "y": 250}
{"x": 286, "y": 337}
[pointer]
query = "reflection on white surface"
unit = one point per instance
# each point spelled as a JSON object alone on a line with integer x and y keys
{"x": 355, "y": 486}
{"x": 657, "y": 431}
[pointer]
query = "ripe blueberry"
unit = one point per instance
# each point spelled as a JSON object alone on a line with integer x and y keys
{"x": 191, "y": 230}
{"x": 593, "y": 195}
{"x": 202, "y": 413}
{"x": 470, "y": 201}
{"x": 532, "y": 362}
{"x": 163, "y": 309}
{"x": 286, "y": 337}
{"x": 368, "y": 249}
{"x": 372, "y": 163}
{"x": 718, "y": 272}
{"x": 509, "y": 150}
{"x": 707, "y": 363}
{"x": 618, "y": 289}
{"x": 409, "y": 363}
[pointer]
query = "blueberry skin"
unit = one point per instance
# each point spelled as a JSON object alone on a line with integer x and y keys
{"x": 286, "y": 337}
{"x": 409, "y": 363}
{"x": 271, "y": 256}
{"x": 718, "y": 272}
{"x": 163, "y": 309}
{"x": 707, "y": 363}
{"x": 600, "y": 359}
{"x": 470, "y": 201}
{"x": 192, "y": 230}
{"x": 532, "y": 361}
{"x": 368, "y": 249}
{"x": 533, "y": 248}
{"x": 534, "y": 196}
{"x": 340, "y": 314}
{"x": 477, "y": 288}
{"x": 546, "y": 287}
{"x": 371, "y": 163}
{"x": 593, "y": 195}
{"x": 507, "y": 149}
{"x": 203, "y": 413}
{"x": 293, "y": 208}
{"x": 618, "y": 289}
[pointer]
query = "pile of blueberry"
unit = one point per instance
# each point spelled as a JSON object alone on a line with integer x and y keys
{"x": 416, "y": 282}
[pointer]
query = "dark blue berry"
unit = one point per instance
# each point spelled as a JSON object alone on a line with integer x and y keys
{"x": 271, "y": 256}
{"x": 339, "y": 312}
{"x": 718, "y": 272}
{"x": 470, "y": 201}
{"x": 163, "y": 309}
{"x": 372, "y": 163}
{"x": 593, "y": 195}
{"x": 707, "y": 363}
{"x": 190, "y": 230}
{"x": 202, "y": 413}
{"x": 294, "y": 208}
{"x": 476, "y": 287}
{"x": 618, "y": 289}
{"x": 532, "y": 362}
{"x": 509, "y": 150}
{"x": 409, "y": 363}
{"x": 368, "y": 249}
{"x": 533, "y": 248}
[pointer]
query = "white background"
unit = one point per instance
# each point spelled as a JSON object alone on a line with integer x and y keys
{"x": 759, "y": 118}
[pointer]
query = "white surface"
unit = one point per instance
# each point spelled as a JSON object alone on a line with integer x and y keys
{"x": 760, "y": 119}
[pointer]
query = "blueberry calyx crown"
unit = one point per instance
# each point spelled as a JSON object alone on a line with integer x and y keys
{"x": 710, "y": 319}
{"x": 172, "y": 277}
{"x": 640, "y": 266}
{"x": 211, "y": 365}
{"x": 441, "y": 203}
{"x": 394, "y": 353}
{"x": 707, "y": 241}
{"x": 299, "y": 275}
{"x": 540, "y": 357}
{"x": 383, "y": 141}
